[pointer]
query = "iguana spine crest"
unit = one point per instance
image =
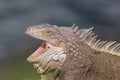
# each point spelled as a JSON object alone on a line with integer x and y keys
{"x": 90, "y": 39}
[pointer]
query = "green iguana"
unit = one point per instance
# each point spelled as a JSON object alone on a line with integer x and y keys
{"x": 70, "y": 53}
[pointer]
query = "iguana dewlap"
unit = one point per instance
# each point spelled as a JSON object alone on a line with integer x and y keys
{"x": 75, "y": 53}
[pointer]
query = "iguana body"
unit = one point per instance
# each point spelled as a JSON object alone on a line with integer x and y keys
{"x": 75, "y": 54}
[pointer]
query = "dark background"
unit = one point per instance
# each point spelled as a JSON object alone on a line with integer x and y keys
{"x": 17, "y": 15}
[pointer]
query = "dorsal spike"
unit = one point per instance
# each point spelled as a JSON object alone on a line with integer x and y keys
{"x": 114, "y": 47}
{"x": 94, "y": 45}
{"x": 76, "y": 29}
{"x": 87, "y": 34}
{"x": 79, "y": 31}
{"x": 73, "y": 26}
{"x": 117, "y": 47}
{"x": 108, "y": 45}
{"x": 91, "y": 28}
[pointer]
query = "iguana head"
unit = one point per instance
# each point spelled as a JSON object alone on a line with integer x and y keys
{"x": 53, "y": 45}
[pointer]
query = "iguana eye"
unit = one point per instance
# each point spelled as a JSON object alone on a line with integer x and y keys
{"x": 47, "y": 32}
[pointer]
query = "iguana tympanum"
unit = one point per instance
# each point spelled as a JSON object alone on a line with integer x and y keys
{"x": 69, "y": 53}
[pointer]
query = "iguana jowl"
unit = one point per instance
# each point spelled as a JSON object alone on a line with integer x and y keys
{"x": 74, "y": 54}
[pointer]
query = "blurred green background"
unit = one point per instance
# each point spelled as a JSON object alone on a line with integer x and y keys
{"x": 17, "y": 15}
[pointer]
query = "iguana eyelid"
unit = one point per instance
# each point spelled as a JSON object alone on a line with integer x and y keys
{"x": 47, "y": 32}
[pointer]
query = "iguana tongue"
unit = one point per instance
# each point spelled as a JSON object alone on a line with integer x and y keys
{"x": 37, "y": 52}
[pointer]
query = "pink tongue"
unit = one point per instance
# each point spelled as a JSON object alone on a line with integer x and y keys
{"x": 38, "y": 51}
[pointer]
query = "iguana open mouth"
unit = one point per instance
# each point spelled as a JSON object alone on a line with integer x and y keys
{"x": 43, "y": 47}
{"x": 46, "y": 54}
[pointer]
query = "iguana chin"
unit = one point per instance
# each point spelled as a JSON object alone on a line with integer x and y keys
{"x": 74, "y": 54}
